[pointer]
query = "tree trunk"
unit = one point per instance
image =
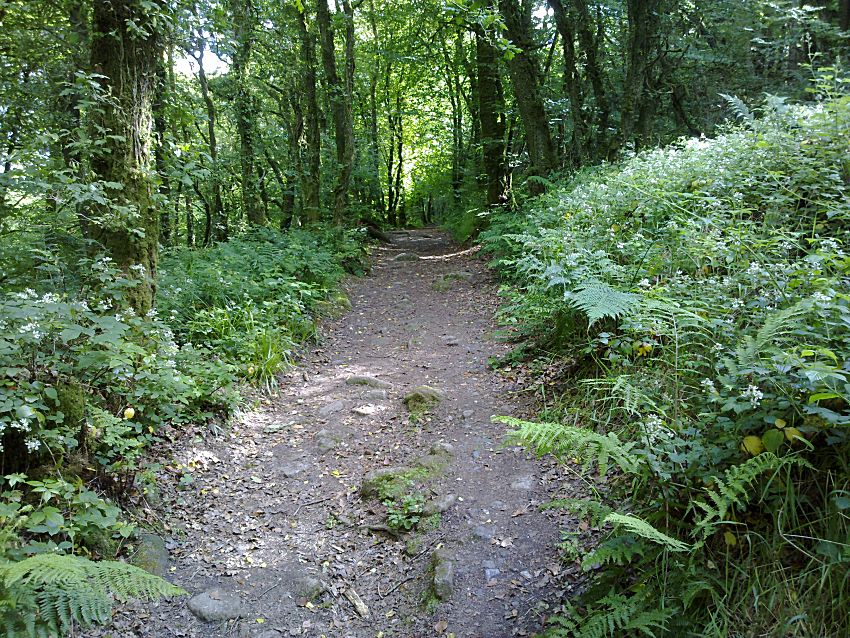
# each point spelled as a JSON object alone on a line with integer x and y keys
{"x": 219, "y": 218}
{"x": 161, "y": 151}
{"x": 340, "y": 103}
{"x": 643, "y": 30}
{"x": 491, "y": 110}
{"x": 126, "y": 59}
{"x": 243, "y": 27}
{"x": 374, "y": 144}
{"x": 310, "y": 181}
{"x": 525, "y": 78}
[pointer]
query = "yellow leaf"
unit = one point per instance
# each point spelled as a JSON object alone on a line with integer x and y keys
{"x": 129, "y": 413}
{"x": 261, "y": 620}
{"x": 780, "y": 423}
{"x": 793, "y": 434}
{"x": 753, "y": 445}
{"x": 730, "y": 539}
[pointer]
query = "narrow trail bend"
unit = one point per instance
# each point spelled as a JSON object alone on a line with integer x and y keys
{"x": 273, "y": 525}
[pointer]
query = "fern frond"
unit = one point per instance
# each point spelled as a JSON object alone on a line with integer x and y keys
{"x": 641, "y": 528}
{"x": 776, "y": 327}
{"x": 737, "y": 488}
{"x": 590, "y": 447}
{"x": 613, "y": 616}
{"x": 581, "y": 507}
{"x": 60, "y": 591}
{"x": 618, "y": 550}
{"x": 628, "y": 397}
{"x": 738, "y": 108}
{"x": 598, "y": 300}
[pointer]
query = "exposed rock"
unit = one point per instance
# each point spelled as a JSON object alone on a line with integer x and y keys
{"x": 151, "y": 554}
{"x": 444, "y": 574}
{"x": 441, "y": 447}
{"x": 375, "y": 395}
{"x": 467, "y": 414}
{"x": 365, "y": 410}
{"x": 423, "y": 397}
{"x": 414, "y": 545}
{"x": 217, "y": 605}
{"x": 327, "y": 440}
{"x": 439, "y": 504}
{"x": 308, "y": 587}
{"x": 386, "y": 482}
{"x": 332, "y": 408}
{"x": 523, "y": 483}
{"x": 450, "y": 340}
{"x": 484, "y": 532}
{"x": 406, "y": 257}
{"x": 490, "y": 570}
{"x": 291, "y": 470}
{"x": 371, "y": 382}
{"x": 432, "y": 463}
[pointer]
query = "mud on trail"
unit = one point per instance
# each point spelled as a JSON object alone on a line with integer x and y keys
{"x": 277, "y": 528}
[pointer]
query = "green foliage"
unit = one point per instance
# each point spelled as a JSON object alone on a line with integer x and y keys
{"x": 50, "y": 594}
{"x": 405, "y": 513}
{"x": 700, "y": 290}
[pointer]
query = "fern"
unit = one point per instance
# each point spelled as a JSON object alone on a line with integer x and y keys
{"x": 738, "y": 108}
{"x": 737, "y": 488}
{"x": 613, "y": 616}
{"x": 581, "y": 507}
{"x": 641, "y": 528}
{"x": 778, "y": 326}
{"x": 598, "y": 300}
{"x": 618, "y": 550}
{"x": 565, "y": 440}
{"x": 48, "y": 594}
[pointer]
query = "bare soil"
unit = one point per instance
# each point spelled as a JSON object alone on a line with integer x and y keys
{"x": 269, "y": 513}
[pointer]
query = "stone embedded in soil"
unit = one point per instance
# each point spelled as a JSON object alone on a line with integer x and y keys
{"x": 217, "y": 605}
{"x": 327, "y": 440}
{"x": 490, "y": 570}
{"x": 308, "y": 587}
{"x": 406, "y": 257}
{"x": 523, "y": 483}
{"x": 332, "y": 408}
{"x": 151, "y": 554}
{"x": 467, "y": 414}
{"x": 451, "y": 340}
{"x": 484, "y": 532}
{"x": 441, "y": 447}
{"x": 291, "y": 470}
{"x": 375, "y": 395}
{"x": 371, "y": 382}
{"x": 423, "y": 396}
{"x": 439, "y": 504}
{"x": 365, "y": 410}
{"x": 444, "y": 574}
{"x": 384, "y": 479}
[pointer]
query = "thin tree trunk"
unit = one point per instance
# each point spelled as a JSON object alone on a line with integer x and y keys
{"x": 374, "y": 144}
{"x": 243, "y": 26}
{"x": 311, "y": 178}
{"x": 161, "y": 151}
{"x": 491, "y": 109}
{"x": 126, "y": 62}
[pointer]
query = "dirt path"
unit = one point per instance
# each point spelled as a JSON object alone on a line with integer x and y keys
{"x": 270, "y": 520}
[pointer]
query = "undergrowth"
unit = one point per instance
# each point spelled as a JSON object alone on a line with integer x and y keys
{"x": 701, "y": 292}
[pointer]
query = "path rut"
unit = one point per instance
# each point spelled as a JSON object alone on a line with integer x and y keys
{"x": 271, "y": 517}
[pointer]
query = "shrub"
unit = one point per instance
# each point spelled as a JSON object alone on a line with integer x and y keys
{"x": 701, "y": 290}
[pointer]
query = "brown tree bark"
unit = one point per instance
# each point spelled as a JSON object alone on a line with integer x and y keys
{"x": 310, "y": 178}
{"x": 126, "y": 60}
{"x": 525, "y": 78}
{"x": 491, "y": 112}
{"x": 340, "y": 102}
{"x": 243, "y": 27}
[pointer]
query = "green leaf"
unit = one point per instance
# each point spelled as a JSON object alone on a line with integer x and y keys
{"x": 773, "y": 440}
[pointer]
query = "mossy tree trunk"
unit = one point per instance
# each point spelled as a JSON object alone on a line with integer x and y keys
{"x": 126, "y": 48}
{"x": 491, "y": 111}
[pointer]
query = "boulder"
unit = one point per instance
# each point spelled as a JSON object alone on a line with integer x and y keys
{"x": 217, "y": 605}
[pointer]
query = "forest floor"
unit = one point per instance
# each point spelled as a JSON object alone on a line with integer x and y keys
{"x": 267, "y": 526}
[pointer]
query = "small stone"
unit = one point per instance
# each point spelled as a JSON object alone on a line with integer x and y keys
{"x": 498, "y": 506}
{"x": 274, "y": 428}
{"x": 444, "y": 575}
{"x": 442, "y": 447}
{"x": 151, "y": 554}
{"x": 439, "y": 504}
{"x": 484, "y": 532}
{"x": 375, "y": 395}
{"x": 365, "y": 410}
{"x": 308, "y": 587}
{"x": 332, "y": 408}
{"x": 450, "y": 340}
{"x": 326, "y": 440}
{"x": 380, "y": 481}
{"x": 476, "y": 454}
{"x": 491, "y": 572}
{"x": 523, "y": 483}
{"x": 526, "y": 574}
{"x": 269, "y": 633}
{"x": 371, "y": 382}
{"x": 406, "y": 257}
{"x": 217, "y": 605}
{"x": 291, "y": 470}
{"x": 467, "y": 414}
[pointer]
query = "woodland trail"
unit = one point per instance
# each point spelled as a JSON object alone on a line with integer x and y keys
{"x": 273, "y": 525}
